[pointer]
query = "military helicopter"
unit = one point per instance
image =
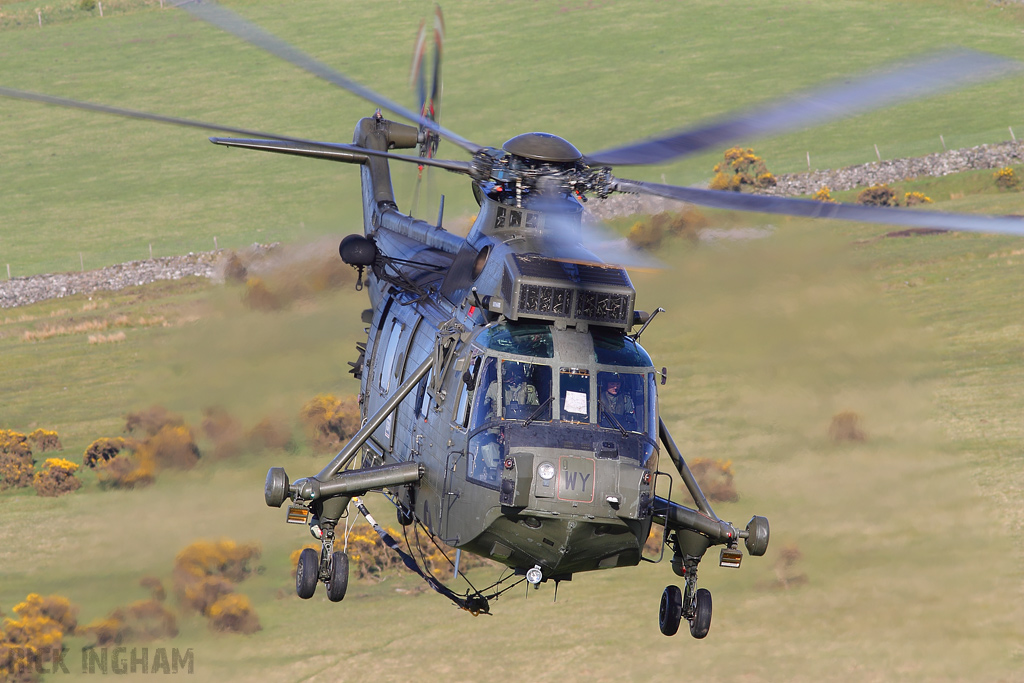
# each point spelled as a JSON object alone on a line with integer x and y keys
{"x": 508, "y": 408}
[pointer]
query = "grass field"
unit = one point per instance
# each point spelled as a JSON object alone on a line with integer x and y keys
{"x": 599, "y": 74}
{"x": 907, "y": 539}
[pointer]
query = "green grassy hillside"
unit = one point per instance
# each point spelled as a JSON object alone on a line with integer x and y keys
{"x": 906, "y": 538}
{"x": 597, "y": 73}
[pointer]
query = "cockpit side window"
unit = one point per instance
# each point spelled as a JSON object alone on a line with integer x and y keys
{"x": 574, "y": 390}
{"x": 486, "y": 408}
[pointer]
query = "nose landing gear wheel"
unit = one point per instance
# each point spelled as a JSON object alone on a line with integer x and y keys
{"x": 700, "y": 624}
{"x": 671, "y": 611}
{"x": 306, "y": 573}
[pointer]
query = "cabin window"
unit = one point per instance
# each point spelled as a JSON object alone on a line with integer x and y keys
{"x": 574, "y": 395}
{"x": 521, "y": 340}
{"x": 387, "y": 365}
{"x": 620, "y": 401}
{"x": 424, "y": 395}
{"x": 462, "y": 408}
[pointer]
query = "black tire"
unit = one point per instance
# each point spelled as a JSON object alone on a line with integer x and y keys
{"x": 701, "y": 622}
{"x": 337, "y": 585}
{"x": 306, "y": 573}
{"x": 671, "y": 611}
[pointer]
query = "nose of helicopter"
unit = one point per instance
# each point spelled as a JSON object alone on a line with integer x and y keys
{"x": 568, "y": 510}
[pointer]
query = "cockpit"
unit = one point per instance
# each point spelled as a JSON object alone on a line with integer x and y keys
{"x": 533, "y": 384}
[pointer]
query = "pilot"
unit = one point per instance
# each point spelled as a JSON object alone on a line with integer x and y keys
{"x": 617, "y": 402}
{"x": 516, "y": 388}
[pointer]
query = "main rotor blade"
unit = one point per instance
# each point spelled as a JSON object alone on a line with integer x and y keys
{"x": 924, "y": 76}
{"x": 133, "y": 114}
{"x": 1005, "y": 225}
{"x": 334, "y": 151}
{"x": 331, "y": 150}
{"x": 228, "y": 21}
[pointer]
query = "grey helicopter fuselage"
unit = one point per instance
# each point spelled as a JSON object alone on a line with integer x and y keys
{"x": 552, "y": 481}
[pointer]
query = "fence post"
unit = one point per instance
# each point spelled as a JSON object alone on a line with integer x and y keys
{"x": 39, "y": 13}
{"x": 808, "y": 161}
{"x": 8, "y": 271}
{"x": 877, "y": 153}
{"x": 1011, "y": 133}
{"x": 943, "y": 140}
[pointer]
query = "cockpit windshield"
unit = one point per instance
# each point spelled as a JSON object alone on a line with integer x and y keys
{"x": 524, "y": 392}
{"x": 620, "y": 401}
{"x": 520, "y": 339}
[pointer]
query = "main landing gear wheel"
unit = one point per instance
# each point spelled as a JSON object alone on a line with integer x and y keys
{"x": 700, "y": 624}
{"x": 671, "y": 611}
{"x": 337, "y": 584}
{"x": 306, "y": 573}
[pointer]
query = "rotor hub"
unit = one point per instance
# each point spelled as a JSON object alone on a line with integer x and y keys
{"x": 543, "y": 147}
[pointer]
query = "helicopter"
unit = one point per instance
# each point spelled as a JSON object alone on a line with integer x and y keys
{"x": 508, "y": 407}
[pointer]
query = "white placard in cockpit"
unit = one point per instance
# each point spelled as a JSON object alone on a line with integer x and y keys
{"x": 575, "y": 402}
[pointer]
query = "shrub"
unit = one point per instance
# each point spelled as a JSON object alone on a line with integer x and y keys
{"x": 46, "y": 440}
{"x": 646, "y": 235}
{"x": 787, "y": 574}
{"x": 1006, "y": 179}
{"x": 845, "y": 426}
{"x": 715, "y": 478}
{"x": 125, "y": 471}
{"x": 915, "y": 198}
{"x": 55, "y": 607}
{"x": 28, "y": 643}
{"x": 224, "y": 430}
{"x": 824, "y": 195}
{"x": 140, "y": 621}
{"x": 878, "y": 195}
{"x": 16, "y": 464}
{"x": 369, "y": 558}
{"x": 57, "y": 479}
{"x": 330, "y": 420}
{"x": 270, "y": 434}
{"x": 224, "y": 558}
{"x": 687, "y": 224}
{"x": 155, "y": 587}
{"x": 173, "y": 446}
{"x": 234, "y": 614}
{"x": 201, "y": 594}
{"x": 152, "y": 420}
{"x": 87, "y": 5}
{"x": 103, "y": 449}
{"x": 741, "y": 167}
{"x": 259, "y": 297}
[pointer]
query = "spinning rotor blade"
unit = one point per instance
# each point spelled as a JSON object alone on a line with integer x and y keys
{"x": 228, "y": 21}
{"x": 1006, "y": 225}
{"x": 271, "y": 141}
{"x": 919, "y": 78}
{"x": 133, "y": 114}
{"x": 335, "y": 151}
